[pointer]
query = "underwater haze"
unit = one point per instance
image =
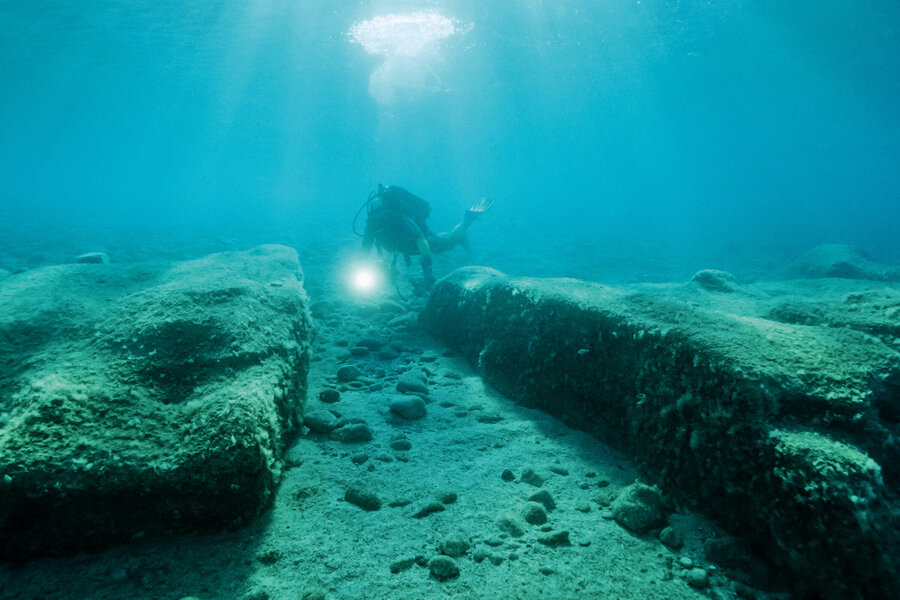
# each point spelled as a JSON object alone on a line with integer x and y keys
{"x": 722, "y": 130}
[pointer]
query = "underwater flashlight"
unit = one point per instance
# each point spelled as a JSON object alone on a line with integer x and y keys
{"x": 365, "y": 278}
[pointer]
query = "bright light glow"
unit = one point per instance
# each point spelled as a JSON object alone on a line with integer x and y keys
{"x": 409, "y": 44}
{"x": 364, "y": 279}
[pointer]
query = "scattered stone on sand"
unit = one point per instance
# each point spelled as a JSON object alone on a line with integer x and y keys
{"x": 443, "y": 567}
{"x": 93, "y": 258}
{"x": 543, "y": 497}
{"x": 353, "y": 433}
{"x": 320, "y": 421}
{"x": 495, "y": 558}
{"x": 454, "y": 545}
{"x": 359, "y": 494}
{"x": 507, "y": 475}
{"x": 401, "y": 444}
{"x": 402, "y": 565}
{"x": 314, "y": 594}
{"x": 489, "y": 417}
{"x": 511, "y": 525}
{"x": 583, "y": 506}
{"x": 430, "y": 508}
{"x": 413, "y": 381}
{"x": 532, "y": 477}
{"x": 348, "y": 373}
{"x": 359, "y": 351}
{"x": 372, "y": 344}
{"x": 428, "y": 357}
{"x": 534, "y": 513}
{"x": 554, "y": 538}
{"x": 358, "y": 459}
{"x": 447, "y": 497}
{"x": 387, "y": 353}
{"x": 410, "y": 408}
{"x": 329, "y": 396}
{"x": 686, "y": 562}
{"x": 715, "y": 281}
{"x": 545, "y": 570}
{"x": 479, "y": 555}
{"x": 671, "y": 538}
{"x": 639, "y": 508}
{"x": 697, "y": 578}
{"x": 559, "y": 471}
{"x": 400, "y": 503}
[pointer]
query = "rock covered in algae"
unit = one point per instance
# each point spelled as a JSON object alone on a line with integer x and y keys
{"x": 157, "y": 398}
{"x": 783, "y": 428}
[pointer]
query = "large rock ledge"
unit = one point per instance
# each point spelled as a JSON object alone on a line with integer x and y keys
{"x": 146, "y": 398}
{"x": 784, "y": 428}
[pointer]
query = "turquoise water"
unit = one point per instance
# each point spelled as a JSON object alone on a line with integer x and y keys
{"x": 727, "y": 126}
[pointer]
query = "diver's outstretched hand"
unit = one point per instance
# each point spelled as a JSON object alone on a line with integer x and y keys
{"x": 478, "y": 209}
{"x": 482, "y": 206}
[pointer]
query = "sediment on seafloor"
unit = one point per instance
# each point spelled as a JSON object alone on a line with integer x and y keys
{"x": 146, "y": 398}
{"x": 785, "y": 431}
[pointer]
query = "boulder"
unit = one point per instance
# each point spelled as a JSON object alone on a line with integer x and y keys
{"x": 784, "y": 431}
{"x": 639, "y": 508}
{"x": 838, "y": 260}
{"x": 408, "y": 407}
{"x": 157, "y": 399}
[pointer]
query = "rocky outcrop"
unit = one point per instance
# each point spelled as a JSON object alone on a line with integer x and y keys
{"x": 787, "y": 432}
{"x": 838, "y": 260}
{"x": 146, "y": 398}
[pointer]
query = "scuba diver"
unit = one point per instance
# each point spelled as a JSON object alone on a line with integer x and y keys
{"x": 396, "y": 223}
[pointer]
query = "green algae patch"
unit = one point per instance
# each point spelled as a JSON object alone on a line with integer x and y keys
{"x": 140, "y": 399}
{"x": 785, "y": 431}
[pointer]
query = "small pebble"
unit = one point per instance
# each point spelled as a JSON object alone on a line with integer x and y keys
{"x": 408, "y": 407}
{"x": 402, "y": 565}
{"x": 697, "y": 578}
{"x": 560, "y": 471}
{"x": 354, "y": 433}
{"x": 507, "y": 475}
{"x": 447, "y": 497}
{"x": 348, "y": 373}
{"x": 329, "y": 396}
{"x": 360, "y": 495}
{"x": 430, "y": 508}
{"x": 554, "y": 538}
{"x": 443, "y": 567}
{"x": 543, "y": 497}
{"x": 532, "y": 477}
{"x": 534, "y": 513}
{"x": 671, "y": 538}
{"x": 401, "y": 445}
{"x": 454, "y": 545}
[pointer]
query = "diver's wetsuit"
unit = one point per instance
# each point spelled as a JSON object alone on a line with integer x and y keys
{"x": 397, "y": 223}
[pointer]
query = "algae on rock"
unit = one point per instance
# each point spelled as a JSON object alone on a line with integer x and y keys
{"x": 785, "y": 431}
{"x": 146, "y": 398}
